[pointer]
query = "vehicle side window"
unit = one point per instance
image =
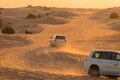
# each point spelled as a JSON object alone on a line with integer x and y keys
{"x": 106, "y": 55}
{"x": 96, "y": 55}
{"x": 60, "y": 37}
{"x": 116, "y": 56}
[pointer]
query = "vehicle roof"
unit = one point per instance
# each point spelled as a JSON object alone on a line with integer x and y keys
{"x": 58, "y": 35}
{"x": 106, "y": 51}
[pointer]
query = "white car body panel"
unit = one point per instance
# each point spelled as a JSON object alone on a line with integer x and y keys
{"x": 107, "y": 67}
{"x": 54, "y": 41}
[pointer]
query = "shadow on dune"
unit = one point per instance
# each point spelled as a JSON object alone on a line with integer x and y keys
{"x": 106, "y": 42}
{"x": 104, "y": 17}
{"x": 7, "y": 41}
{"x": 51, "y": 20}
{"x": 20, "y": 21}
{"x": 55, "y": 61}
{"x": 15, "y": 74}
{"x": 8, "y": 74}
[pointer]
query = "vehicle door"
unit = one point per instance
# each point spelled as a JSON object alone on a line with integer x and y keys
{"x": 116, "y": 62}
{"x": 108, "y": 66}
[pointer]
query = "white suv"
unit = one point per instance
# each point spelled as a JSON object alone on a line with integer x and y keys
{"x": 57, "y": 40}
{"x": 103, "y": 62}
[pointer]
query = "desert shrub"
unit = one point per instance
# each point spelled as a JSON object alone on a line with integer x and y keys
{"x": 0, "y": 12}
{"x": 47, "y": 14}
{"x": 31, "y": 16}
{"x": 8, "y": 30}
{"x": 1, "y": 8}
{"x": 39, "y": 16}
{"x": 29, "y": 6}
{"x": 114, "y": 15}
{"x": 28, "y": 32}
{"x": 46, "y": 8}
{"x": 1, "y": 24}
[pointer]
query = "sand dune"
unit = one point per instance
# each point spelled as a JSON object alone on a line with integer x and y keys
{"x": 31, "y": 57}
{"x": 8, "y": 41}
{"x": 55, "y": 61}
{"x": 104, "y": 15}
{"x": 16, "y": 17}
{"x": 14, "y": 74}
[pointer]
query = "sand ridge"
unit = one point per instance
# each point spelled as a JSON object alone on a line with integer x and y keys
{"x": 54, "y": 63}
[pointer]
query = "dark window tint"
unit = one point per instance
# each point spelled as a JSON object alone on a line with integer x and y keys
{"x": 106, "y": 55}
{"x": 60, "y": 37}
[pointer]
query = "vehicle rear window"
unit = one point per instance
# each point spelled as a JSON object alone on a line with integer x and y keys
{"x": 60, "y": 37}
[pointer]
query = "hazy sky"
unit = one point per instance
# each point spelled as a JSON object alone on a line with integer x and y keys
{"x": 61, "y": 3}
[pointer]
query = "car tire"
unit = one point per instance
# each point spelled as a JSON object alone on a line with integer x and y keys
{"x": 52, "y": 45}
{"x": 94, "y": 71}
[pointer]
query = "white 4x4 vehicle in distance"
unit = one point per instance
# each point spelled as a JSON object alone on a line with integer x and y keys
{"x": 103, "y": 62}
{"x": 57, "y": 40}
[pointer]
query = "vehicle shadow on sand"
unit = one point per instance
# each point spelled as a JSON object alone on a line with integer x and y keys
{"x": 15, "y": 74}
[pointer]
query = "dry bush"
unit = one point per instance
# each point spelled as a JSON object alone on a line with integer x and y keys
{"x": 114, "y": 15}
{"x": 47, "y": 14}
{"x": 40, "y": 15}
{"x": 46, "y": 8}
{"x": 31, "y": 16}
{"x": 28, "y": 32}
{"x": 1, "y": 24}
{"x": 1, "y": 8}
{"x": 8, "y": 30}
{"x": 29, "y": 6}
{"x": 0, "y": 12}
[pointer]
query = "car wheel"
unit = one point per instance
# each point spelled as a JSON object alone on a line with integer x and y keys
{"x": 94, "y": 71}
{"x": 52, "y": 45}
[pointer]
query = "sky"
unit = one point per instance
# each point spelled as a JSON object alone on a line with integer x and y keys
{"x": 61, "y": 3}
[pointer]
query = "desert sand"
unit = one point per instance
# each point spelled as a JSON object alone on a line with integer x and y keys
{"x": 29, "y": 56}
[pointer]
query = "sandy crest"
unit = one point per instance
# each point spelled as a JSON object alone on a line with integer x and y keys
{"x": 104, "y": 16}
{"x": 58, "y": 64}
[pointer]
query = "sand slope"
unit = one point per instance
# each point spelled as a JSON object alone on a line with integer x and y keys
{"x": 17, "y": 17}
{"x": 104, "y": 16}
{"x": 39, "y": 61}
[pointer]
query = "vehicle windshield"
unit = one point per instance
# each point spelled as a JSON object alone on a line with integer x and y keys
{"x": 60, "y": 37}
